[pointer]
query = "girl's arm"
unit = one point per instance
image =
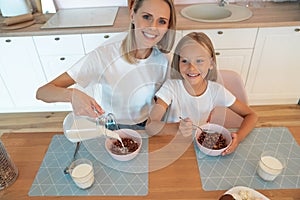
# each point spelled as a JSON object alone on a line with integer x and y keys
{"x": 58, "y": 91}
{"x": 155, "y": 125}
{"x": 249, "y": 122}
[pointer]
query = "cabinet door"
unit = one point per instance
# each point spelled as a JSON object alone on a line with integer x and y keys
{"x": 236, "y": 60}
{"x": 58, "y": 53}
{"x": 5, "y": 100}
{"x": 59, "y": 45}
{"x": 56, "y": 65}
{"x": 233, "y": 47}
{"x": 242, "y": 38}
{"x": 21, "y": 71}
{"x": 92, "y": 41}
{"x": 274, "y": 72}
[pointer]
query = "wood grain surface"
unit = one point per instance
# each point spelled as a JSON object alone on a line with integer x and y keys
{"x": 269, "y": 115}
{"x": 179, "y": 180}
{"x": 31, "y": 133}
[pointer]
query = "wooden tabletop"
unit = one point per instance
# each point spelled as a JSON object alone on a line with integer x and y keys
{"x": 179, "y": 180}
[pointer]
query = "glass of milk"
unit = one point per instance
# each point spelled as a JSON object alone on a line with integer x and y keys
{"x": 270, "y": 165}
{"x": 82, "y": 173}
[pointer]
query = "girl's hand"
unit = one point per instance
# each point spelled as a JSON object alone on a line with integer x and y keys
{"x": 233, "y": 146}
{"x": 84, "y": 105}
{"x": 186, "y": 126}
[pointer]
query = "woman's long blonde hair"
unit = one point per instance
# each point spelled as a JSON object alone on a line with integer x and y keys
{"x": 164, "y": 45}
{"x": 203, "y": 40}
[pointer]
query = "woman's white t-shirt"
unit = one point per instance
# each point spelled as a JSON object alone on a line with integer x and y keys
{"x": 124, "y": 89}
{"x": 197, "y": 108}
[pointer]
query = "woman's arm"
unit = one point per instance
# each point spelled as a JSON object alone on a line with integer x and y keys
{"x": 249, "y": 122}
{"x": 58, "y": 91}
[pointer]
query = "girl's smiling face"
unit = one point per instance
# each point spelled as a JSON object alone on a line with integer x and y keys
{"x": 194, "y": 63}
{"x": 151, "y": 22}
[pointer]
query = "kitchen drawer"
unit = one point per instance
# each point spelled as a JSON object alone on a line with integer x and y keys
{"x": 59, "y": 44}
{"x": 92, "y": 41}
{"x": 230, "y": 38}
{"x": 55, "y": 65}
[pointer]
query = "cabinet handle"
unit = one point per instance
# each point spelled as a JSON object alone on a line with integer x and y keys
{"x": 106, "y": 36}
{"x": 220, "y": 32}
{"x": 218, "y": 53}
{"x": 62, "y": 58}
{"x": 8, "y": 40}
{"x": 297, "y": 29}
{"x": 57, "y": 38}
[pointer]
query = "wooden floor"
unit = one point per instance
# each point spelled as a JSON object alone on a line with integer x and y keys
{"x": 274, "y": 115}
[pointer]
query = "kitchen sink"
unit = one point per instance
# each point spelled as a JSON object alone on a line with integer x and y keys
{"x": 216, "y": 13}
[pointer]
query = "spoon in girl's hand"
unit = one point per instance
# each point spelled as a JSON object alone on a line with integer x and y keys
{"x": 202, "y": 129}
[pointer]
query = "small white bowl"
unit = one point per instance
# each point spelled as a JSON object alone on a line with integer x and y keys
{"x": 124, "y": 133}
{"x": 215, "y": 128}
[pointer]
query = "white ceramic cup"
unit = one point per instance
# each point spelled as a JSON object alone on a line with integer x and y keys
{"x": 82, "y": 173}
{"x": 270, "y": 165}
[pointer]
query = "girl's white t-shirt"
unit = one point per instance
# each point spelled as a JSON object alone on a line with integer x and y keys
{"x": 197, "y": 108}
{"x": 124, "y": 89}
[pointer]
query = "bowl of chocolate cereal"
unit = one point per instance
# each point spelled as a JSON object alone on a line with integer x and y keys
{"x": 213, "y": 139}
{"x": 126, "y": 149}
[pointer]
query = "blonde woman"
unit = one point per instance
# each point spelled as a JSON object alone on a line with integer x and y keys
{"x": 128, "y": 69}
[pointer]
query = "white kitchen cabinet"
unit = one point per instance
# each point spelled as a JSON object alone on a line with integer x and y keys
{"x": 59, "y": 44}
{"x": 6, "y": 101}
{"x": 56, "y": 65}
{"x": 233, "y": 47}
{"x": 21, "y": 73}
{"x": 58, "y": 53}
{"x": 274, "y": 75}
{"x": 93, "y": 40}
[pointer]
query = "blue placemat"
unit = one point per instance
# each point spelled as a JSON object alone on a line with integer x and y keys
{"x": 239, "y": 168}
{"x": 109, "y": 181}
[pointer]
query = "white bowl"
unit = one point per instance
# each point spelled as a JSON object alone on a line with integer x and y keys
{"x": 124, "y": 133}
{"x": 215, "y": 128}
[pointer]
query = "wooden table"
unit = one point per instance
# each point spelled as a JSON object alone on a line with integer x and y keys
{"x": 179, "y": 180}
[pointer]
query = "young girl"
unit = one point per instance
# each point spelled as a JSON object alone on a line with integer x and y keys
{"x": 195, "y": 93}
{"x": 127, "y": 69}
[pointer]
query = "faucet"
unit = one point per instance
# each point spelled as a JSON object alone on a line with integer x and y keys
{"x": 222, "y": 3}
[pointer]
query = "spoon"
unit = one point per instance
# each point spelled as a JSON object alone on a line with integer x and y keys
{"x": 67, "y": 169}
{"x": 202, "y": 129}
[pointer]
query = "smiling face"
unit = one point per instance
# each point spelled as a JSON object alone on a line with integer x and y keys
{"x": 194, "y": 64}
{"x": 151, "y": 22}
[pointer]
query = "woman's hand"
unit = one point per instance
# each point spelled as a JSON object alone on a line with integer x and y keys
{"x": 84, "y": 105}
{"x": 233, "y": 146}
{"x": 186, "y": 126}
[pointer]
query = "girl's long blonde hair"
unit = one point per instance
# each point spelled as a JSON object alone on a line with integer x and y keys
{"x": 164, "y": 45}
{"x": 204, "y": 41}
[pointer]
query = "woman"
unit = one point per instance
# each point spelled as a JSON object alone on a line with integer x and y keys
{"x": 127, "y": 70}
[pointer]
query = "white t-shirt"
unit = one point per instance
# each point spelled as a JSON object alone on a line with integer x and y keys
{"x": 124, "y": 89}
{"x": 197, "y": 108}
